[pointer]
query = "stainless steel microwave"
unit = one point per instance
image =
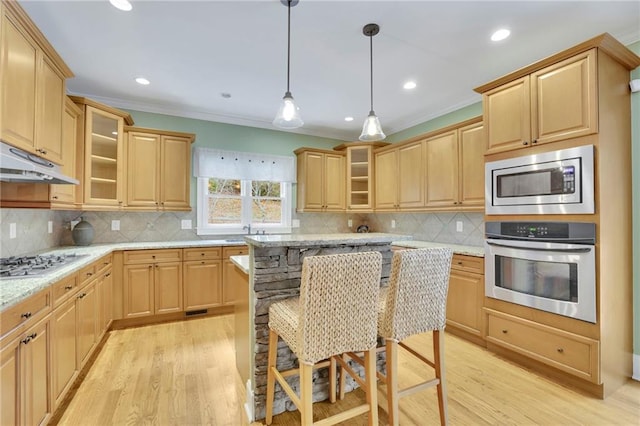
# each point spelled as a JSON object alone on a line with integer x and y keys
{"x": 554, "y": 182}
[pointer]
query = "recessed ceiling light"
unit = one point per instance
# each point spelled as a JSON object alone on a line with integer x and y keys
{"x": 121, "y": 4}
{"x": 501, "y": 34}
{"x": 410, "y": 85}
{"x": 143, "y": 81}
{"x": 348, "y": 118}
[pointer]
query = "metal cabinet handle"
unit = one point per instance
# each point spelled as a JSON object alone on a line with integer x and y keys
{"x": 534, "y": 141}
{"x": 68, "y": 287}
{"x": 560, "y": 350}
{"x": 108, "y": 274}
{"x": 25, "y": 340}
{"x": 525, "y": 142}
{"x": 89, "y": 274}
{"x": 82, "y": 295}
{"x": 459, "y": 262}
{"x": 26, "y": 315}
{"x": 505, "y": 331}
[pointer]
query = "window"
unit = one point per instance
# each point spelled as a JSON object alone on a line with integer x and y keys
{"x": 228, "y": 206}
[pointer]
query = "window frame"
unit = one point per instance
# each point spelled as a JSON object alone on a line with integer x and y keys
{"x": 202, "y": 205}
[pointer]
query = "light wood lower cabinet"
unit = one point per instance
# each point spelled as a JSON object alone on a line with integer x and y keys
{"x": 229, "y": 285}
{"x": 202, "y": 284}
{"x": 64, "y": 348}
{"x": 466, "y": 296}
{"x": 87, "y": 305}
{"x": 569, "y": 352}
{"x": 25, "y": 369}
{"x": 152, "y": 282}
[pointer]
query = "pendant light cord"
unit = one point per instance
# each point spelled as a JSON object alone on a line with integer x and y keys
{"x": 371, "y": 67}
{"x": 288, "y": 42}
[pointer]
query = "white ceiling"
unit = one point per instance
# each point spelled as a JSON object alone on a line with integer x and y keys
{"x": 193, "y": 51}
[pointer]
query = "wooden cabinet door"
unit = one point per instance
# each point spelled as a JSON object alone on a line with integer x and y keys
{"x": 472, "y": 145}
{"x": 464, "y": 301}
{"x": 442, "y": 170}
{"x": 63, "y": 349}
{"x": 564, "y": 99}
{"x": 143, "y": 165}
{"x": 51, "y": 93}
{"x": 313, "y": 181}
{"x": 138, "y": 290}
{"x": 67, "y": 193}
{"x": 167, "y": 287}
{"x": 103, "y": 167}
{"x": 202, "y": 284}
{"x": 18, "y": 73}
{"x": 334, "y": 182}
{"x": 9, "y": 381}
{"x": 36, "y": 370}
{"x": 386, "y": 179}
{"x": 228, "y": 284}
{"x": 411, "y": 175}
{"x": 87, "y": 308}
{"x": 175, "y": 173}
{"x": 107, "y": 299}
{"x": 507, "y": 115}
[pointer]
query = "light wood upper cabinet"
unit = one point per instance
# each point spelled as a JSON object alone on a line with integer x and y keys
{"x": 471, "y": 148}
{"x": 65, "y": 195}
{"x": 321, "y": 180}
{"x": 399, "y": 177}
{"x": 555, "y": 103}
{"x": 32, "y": 86}
{"x": 442, "y": 169}
{"x": 386, "y": 180}
{"x": 159, "y": 170}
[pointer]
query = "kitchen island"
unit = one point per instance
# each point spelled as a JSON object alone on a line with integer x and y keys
{"x": 275, "y": 266}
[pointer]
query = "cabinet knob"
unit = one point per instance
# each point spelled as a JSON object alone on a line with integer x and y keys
{"x": 25, "y": 340}
{"x": 55, "y": 197}
{"x": 525, "y": 142}
{"x": 26, "y": 315}
{"x": 108, "y": 274}
{"x": 534, "y": 141}
{"x": 82, "y": 295}
{"x": 89, "y": 274}
{"x": 560, "y": 350}
{"x": 153, "y": 256}
{"x": 32, "y": 336}
{"x": 68, "y": 287}
{"x": 455, "y": 202}
{"x": 201, "y": 254}
{"x": 505, "y": 331}
{"x": 460, "y": 262}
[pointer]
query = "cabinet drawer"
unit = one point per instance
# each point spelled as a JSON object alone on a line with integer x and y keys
{"x": 152, "y": 256}
{"x": 27, "y": 311}
{"x": 85, "y": 274}
{"x": 103, "y": 263}
{"x": 468, "y": 263}
{"x": 64, "y": 288}
{"x": 202, "y": 253}
{"x": 235, "y": 251}
{"x": 568, "y": 352}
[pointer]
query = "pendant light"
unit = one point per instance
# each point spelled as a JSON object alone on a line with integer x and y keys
{"x": 371, "y": 130}
{"x": 288, "y": 116}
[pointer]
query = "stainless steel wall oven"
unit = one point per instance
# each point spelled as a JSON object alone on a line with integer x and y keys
{"x": 543, "y": 265}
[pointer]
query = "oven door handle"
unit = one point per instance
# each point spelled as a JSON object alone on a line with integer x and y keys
{"x": 572, "y": 250}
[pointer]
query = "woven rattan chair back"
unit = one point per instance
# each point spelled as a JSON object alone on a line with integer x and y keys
{"x": 338, "y": 304}
{"x": 417, "y": 296}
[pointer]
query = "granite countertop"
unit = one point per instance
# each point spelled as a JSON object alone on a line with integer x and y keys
{"x": 15, "y": 290}
{"x": 457, "y": 248}
{"x": 241, "y": 262}
{"x": 310, "y": 240}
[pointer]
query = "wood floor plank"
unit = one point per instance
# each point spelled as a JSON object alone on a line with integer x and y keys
{"x": 183, "y": 373}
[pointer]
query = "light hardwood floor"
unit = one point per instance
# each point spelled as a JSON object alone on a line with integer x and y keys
{"x": 183, "y": 373}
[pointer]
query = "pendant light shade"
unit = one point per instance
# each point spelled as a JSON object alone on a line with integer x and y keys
{"x": 288, "y": 116}
{"x": 371, "y": 130}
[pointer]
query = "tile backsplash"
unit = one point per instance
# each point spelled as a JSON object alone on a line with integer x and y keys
{"x": 31, "y": 226}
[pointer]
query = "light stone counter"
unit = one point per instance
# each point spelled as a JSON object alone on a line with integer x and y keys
{"x": 311, "y": 240}
{"x": 241, "y": 262}
{"x": 15, "y": 290}
{"x": 457, "y": 249}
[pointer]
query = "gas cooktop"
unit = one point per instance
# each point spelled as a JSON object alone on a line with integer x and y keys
{"x": 29, "y": 266}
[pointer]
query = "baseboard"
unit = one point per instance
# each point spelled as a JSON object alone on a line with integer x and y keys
{"x": 248, "y": 405}
{"x": 636, "y": 367}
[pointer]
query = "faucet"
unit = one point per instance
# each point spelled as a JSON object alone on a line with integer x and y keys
{"x": 248, "y": 228}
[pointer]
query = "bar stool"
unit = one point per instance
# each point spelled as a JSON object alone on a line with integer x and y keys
{"x": 335, "y": 313}
{"x": 414, "y": 302}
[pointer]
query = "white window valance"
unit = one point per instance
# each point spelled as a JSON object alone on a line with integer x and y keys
{"x": 209, "y": 162}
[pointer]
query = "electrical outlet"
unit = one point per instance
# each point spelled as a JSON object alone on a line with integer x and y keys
{"x": 185, "y": 224}
{"x": 393, "y": 223}
{"x": 115, "y": 225}
{"x": 349, "y": 223}
{"x": 459, "y": 226}
{"x": 12, "y": 230}
{"x": 50, "y": 227}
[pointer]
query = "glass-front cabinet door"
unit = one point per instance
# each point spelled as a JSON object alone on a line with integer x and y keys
{"x": 103, "y": 158}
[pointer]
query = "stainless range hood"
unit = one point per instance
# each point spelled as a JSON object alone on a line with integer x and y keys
{"x": 17, "y": 165}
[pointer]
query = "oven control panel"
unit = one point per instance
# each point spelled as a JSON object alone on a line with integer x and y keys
{"x": 580, "y": 232}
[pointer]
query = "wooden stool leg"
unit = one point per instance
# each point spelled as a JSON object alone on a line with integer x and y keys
{"x": 271, "y": 378}
{"x": 332, "y": 379}
{"x": 306, "y": 394}
{"x": 343, "y": 375}
{"x": 371, "y": 388}
{"x": 393, "y": 410}
{"x": 438, "y": 357}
